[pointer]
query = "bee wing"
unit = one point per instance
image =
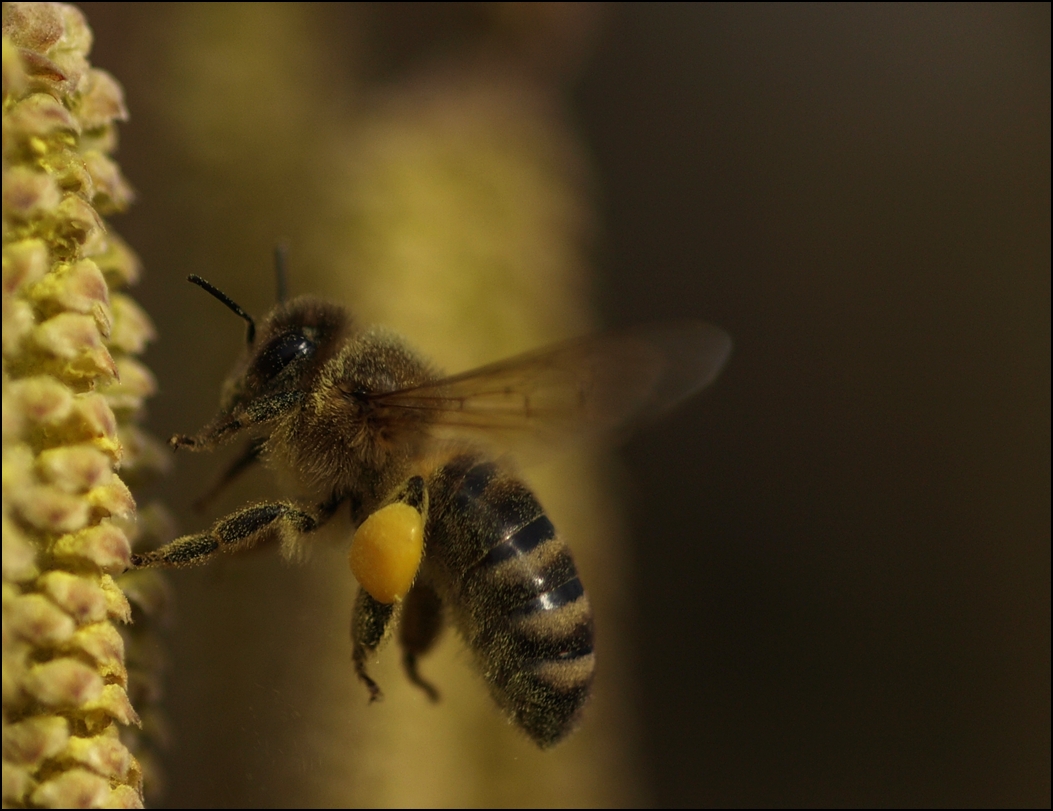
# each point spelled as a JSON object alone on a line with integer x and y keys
{"x": 581, "y": 388}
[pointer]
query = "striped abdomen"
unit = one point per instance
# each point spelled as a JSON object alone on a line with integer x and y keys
{"x": 513, "y": 591}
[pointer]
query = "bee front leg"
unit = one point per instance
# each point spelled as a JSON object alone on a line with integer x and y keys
{"x": 237, "y": 532}
{"x": 249, "y": 456}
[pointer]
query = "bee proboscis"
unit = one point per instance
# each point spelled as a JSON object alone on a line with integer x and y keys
{"x": 447, "y": 533}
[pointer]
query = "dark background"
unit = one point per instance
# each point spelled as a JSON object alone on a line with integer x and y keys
{"x": 842, "y": 552}
{"x": 861, "y": 196}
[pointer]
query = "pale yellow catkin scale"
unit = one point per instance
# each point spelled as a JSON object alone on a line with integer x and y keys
{"x": 386, "y": 552}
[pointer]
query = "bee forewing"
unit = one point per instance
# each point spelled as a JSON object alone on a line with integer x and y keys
{"x": 578, "y": 389}
{"x": 692, "y": 355}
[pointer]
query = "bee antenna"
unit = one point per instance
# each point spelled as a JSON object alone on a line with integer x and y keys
{"x": 280, "y": 253}
{"x": 233, "y": 305}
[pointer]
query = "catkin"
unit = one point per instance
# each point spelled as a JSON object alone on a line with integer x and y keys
{"x": 72, "y": 390}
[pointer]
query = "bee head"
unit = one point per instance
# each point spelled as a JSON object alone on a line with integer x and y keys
{"x": 281, "y": 361}
{"x": 288, "y": 352}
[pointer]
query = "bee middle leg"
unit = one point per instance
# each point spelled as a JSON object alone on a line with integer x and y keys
{"x": 237, "y": 532}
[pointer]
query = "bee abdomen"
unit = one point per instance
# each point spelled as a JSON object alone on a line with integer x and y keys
{"x": 528, "y": 617}
{"x": 543, "y": 652}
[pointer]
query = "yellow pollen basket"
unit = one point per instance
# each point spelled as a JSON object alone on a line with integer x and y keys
{"x": 386, "y": 552}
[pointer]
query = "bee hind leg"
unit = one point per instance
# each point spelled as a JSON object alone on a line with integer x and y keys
{"x": 419, "y": 628}
{"x": 371, "y": 622}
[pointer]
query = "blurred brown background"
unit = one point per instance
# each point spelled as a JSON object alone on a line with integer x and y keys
{"x": 840, "y": 566}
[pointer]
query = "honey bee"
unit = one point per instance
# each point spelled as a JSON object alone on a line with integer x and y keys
{"x": 446, "y": 532}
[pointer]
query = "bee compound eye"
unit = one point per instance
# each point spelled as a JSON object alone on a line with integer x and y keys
{"x": 282, "y": 352}
{"x": 386, "y": 552}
